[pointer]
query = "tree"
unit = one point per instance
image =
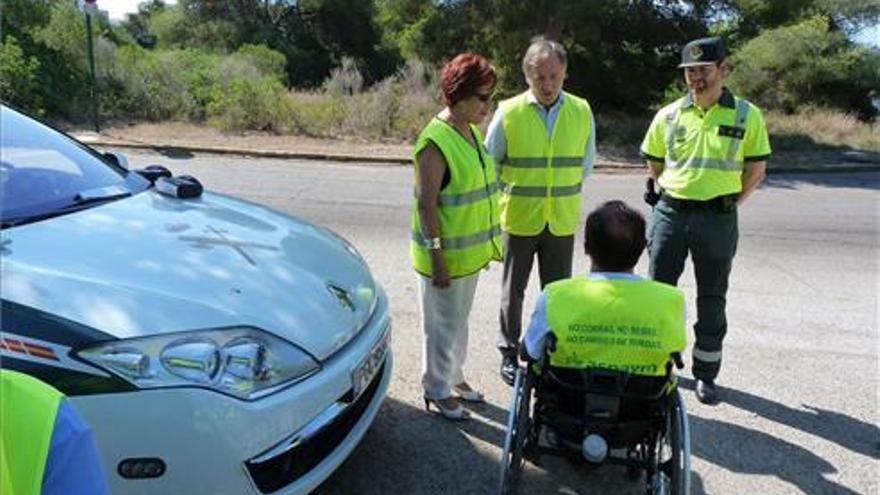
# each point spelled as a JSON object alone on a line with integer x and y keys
{"x": 621, "y": 53}
{"x": 751, "y": 17}
{"x": 806, "y": 64}
{"x": 19, "y": 77}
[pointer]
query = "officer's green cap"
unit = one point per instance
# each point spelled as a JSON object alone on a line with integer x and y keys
{"x": 704, "y": 51}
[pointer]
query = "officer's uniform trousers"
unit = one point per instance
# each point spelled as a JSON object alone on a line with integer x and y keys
{"x": 708, "y": 231}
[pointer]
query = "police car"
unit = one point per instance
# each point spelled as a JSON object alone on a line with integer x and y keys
{"x": 213, "y": 345}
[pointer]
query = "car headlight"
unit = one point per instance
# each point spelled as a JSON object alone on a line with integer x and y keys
{"x": 247, "y": 363}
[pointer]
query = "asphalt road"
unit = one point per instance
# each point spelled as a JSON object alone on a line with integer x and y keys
{"x": 799, "y": 381}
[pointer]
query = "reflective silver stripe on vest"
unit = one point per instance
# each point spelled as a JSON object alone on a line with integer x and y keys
{"x": 671, "y": 124}
{"x": 707, "y": 356}
{"x": 469, "y": 197}
{"x": 461, "y": 242}
{"x": 541, "y": 162}
{"x": 713, "y": 163}
{"x": 541, "y": 191}
{"x": 742, "y": 111}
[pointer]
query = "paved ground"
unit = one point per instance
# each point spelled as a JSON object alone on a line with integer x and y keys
{"x": 800, "y": 376}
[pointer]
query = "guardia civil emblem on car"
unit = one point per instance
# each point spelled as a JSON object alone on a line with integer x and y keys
{"x": 342, "y": 296}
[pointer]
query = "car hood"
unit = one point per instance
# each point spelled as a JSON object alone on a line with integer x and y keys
{"x": 152, "y": 264}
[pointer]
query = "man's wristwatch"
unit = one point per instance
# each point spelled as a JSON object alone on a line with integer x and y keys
{"x": 433, "y": 244}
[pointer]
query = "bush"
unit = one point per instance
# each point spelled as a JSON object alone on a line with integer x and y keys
{"x": 268, "y": 62}
{"x": 419, "y": 99}
{"x": 246, "y": 102}
{"x": 805, "y": 64}
{"x": 240, "y": 91}
{"x": 314, "y": 114}
{"x": 19, "y": 77}
{"x": 344, "y": 80}
{"x": 153, "y": 84}
{"x": 395, "y": 108}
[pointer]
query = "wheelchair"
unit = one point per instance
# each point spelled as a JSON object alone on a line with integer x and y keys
{"x": 599, "y": 417}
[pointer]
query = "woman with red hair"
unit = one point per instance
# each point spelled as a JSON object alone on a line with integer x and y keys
{"x": 455, "y": 227}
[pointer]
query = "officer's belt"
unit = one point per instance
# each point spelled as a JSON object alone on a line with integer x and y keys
{"x": 721, "y": 203}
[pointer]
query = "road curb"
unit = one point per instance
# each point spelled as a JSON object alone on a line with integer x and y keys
{"x": 398, "y": 160}
{"x": 252, "y": 153}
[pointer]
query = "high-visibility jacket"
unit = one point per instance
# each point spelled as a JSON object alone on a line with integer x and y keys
{"x": 542, "y": 176}
{"x": 27, "y": 418}
{"x": 704, "y": 152}
{"x": 470, "y": 235}
{"x": 618, "y": 324}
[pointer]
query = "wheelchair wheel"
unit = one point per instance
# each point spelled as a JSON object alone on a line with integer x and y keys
{"x": 518, "y": 431}
{"x": 673, "y": 476}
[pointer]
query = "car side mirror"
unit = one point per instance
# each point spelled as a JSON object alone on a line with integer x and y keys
{"x": 117, "y": 159}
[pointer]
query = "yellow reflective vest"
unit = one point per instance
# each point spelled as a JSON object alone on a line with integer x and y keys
{"x": 27, "y": 410}
{"x": 541, "y": 176}
{"x": 630, "y": 325}
{"x": 468, "y": 209}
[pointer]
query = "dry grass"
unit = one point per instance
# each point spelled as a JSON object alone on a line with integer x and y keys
{"x": 822, "y": 128}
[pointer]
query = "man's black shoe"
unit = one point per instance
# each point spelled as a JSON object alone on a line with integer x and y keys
{"x": 508, "y": 369}
{"x": 706, "y": 392}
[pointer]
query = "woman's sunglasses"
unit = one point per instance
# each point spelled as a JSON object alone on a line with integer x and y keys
{"x": 484, "y": 97}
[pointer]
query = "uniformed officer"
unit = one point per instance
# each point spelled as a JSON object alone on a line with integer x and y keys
{"x": 612, "y": 318}
{"x": 544, "y": 142}
{"x": 708, "y": 151}
{"x": 45, "y": 447}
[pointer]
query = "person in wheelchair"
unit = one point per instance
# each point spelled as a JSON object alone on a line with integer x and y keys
{"x": 600, "y": 350}
{"x": 611, "y": 318}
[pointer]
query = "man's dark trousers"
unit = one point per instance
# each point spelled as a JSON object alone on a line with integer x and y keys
{"x": 554, "y": 263}
{"x": 709, "y": 232}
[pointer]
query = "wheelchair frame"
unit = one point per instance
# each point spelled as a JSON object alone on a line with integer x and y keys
{"x": 665, "y": 458}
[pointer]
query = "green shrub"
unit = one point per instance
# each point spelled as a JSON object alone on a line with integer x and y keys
{"x": 246, "y": 102}
{"x": 371, "y": 114}
{"x": 153, "y": 84}
{"x": 805, "y": 64}
{"x": 19, "y": 83}
{"x": 266, "y": 60}
{"x": 314, "y": 114}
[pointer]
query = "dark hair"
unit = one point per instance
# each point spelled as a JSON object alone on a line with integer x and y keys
{"x": 614, "y": 236}
{"x": 463, "y": 75}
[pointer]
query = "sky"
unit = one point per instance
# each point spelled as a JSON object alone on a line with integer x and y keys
{"x": 118, "y": 8}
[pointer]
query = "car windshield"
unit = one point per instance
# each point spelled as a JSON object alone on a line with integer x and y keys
{"x": 44, "y": 173}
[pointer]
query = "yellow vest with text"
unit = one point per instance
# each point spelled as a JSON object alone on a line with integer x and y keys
{"x": 617, "y": 324}
{"x": 702, "y": 165}
{"x": 28, "y": 408}
{"x": 541, "y": 176}
{"x": 470, "y": 234}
